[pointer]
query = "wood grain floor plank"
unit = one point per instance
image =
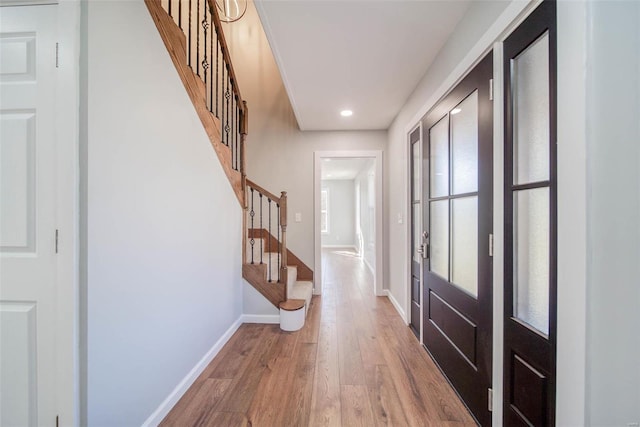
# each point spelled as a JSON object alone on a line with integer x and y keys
{"x": 179, "y": 412}
{"x": 271, "y": 394}
{"x": 325, "y": 404}
{"x": 298, "y": 406}
{"x": 238, "y": 352}
{"x": 244, "y": 385}
{"x": 356, "y": 408}
{"x": 226, "y": 419}
{"x": 370, "y": 350}
{"x": 350, "y": 359}
{"x": 198, "y": 407}
{"x": 384, "y": 399}
{"x": 309, "y": 334}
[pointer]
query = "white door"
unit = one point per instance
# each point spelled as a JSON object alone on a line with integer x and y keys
{"x": 27, "y": 216}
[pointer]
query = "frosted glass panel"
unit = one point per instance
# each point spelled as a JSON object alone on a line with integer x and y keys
{"x": 415, "y": 169}
{"x": 439, "y": 238}
{"x": 439, "y": 156}
{"x": 531, "y": 257}
{"x": 464, "y": 253}
{"x": 531, "y": 113}
{"x": 464, "y": 145}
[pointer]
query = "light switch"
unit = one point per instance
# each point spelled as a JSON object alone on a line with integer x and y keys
{"x": 298, "y": 217}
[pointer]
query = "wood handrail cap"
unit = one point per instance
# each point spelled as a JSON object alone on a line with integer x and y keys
{"x": 292, "y": 304}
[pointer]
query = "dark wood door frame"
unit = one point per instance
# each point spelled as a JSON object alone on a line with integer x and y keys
{"x": 529, "y": 356}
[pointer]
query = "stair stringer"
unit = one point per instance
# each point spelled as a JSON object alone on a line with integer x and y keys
{"x": 175, "y": 42}
{"x": 256, "y": 274}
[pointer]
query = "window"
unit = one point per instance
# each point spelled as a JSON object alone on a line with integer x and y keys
{"x": 324, "y": 210}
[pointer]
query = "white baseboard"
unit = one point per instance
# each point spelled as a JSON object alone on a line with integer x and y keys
{"x": 158, "y": 415}
{"x": 340, "y": 247}
{"x": 261, "y": 318}
{"x": 396, "y": 305}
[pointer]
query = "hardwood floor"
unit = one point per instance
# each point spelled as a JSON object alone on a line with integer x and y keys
{"x": 355, "y": 363}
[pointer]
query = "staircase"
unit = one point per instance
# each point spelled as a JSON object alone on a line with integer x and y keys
{"x": 192, "y": 32}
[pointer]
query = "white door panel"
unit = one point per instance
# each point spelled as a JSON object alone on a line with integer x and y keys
{"x": 27, "y": 216}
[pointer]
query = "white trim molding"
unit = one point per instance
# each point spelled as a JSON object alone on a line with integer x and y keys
{"x": 5, "y": 3}
{"x": 158, "y": 415}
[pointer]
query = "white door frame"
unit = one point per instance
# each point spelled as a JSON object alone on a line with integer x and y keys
{"x": 378, "y": 276}
{"x": 67, "y": 212}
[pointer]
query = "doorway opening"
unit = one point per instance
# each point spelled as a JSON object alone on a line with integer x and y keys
{"x": 348, "y": 211}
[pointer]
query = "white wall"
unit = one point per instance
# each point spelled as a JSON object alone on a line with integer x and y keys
{"x": 279, "y": 155}
{"x": 163, "y": 227}
{"x": 613, "y": 213}
{"x": 342, "y": 215}
{"x": 367, "y": 203}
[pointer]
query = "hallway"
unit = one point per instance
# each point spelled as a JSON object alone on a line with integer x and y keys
{"x": 354, "y": 363}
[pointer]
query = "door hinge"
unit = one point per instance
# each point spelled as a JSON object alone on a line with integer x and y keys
{"x": 57, "y": 240}
{"x": 490, "y": 89}
{"x": 490, "y": 244}
{"x": 490, "y": 399}
{"x": 57, "y": 50}
{"x": 57, "y": 420}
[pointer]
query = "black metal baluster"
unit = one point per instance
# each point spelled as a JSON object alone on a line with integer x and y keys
{"x": 205, "y": 64}
{"x": 198, "y": 38}
{"x": 190, "y": 31}
{"x": 180, "y": 14}
{"x": 252, "y": 214}
{"x": 213, "y": 41}
{"x": 233, "y": 133}
{"x": 279, "y": 244}
{"x": 261, "y": 228}
{"x": 222, "y": 103}
{"x": 269, "y": 243}
{"x": 217, "y": 72}
{"x": 170, "y": 9}
{"x": 227, "y": 95}
{"x": 237, "y": 133}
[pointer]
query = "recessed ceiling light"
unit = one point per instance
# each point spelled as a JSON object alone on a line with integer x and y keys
{"x": 346, "y": 113}
{"x": 456, "y": 110}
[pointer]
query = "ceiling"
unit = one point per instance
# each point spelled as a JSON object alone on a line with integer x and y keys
{"x": 366, "y": 56}
{"x": 344, "y": 168}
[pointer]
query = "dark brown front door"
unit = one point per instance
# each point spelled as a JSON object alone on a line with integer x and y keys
{"x": 458, "y": 199}
{"x": 530, "y": 221}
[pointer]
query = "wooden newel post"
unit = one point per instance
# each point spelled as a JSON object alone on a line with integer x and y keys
{"x": 283, "y": 225}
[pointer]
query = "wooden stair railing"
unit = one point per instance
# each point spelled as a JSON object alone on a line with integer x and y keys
{"x": 265, "y": 260}
{"x": 193, "y": 35}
